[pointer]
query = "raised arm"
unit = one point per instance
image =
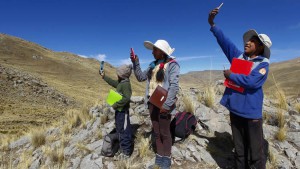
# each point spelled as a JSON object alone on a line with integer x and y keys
{"x": 229, "y": 49}
{"x": 139, "y": 74}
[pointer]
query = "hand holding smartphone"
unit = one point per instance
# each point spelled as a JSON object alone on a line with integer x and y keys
{"x": 101, "y": 71}
{"x": 132, "y": 54}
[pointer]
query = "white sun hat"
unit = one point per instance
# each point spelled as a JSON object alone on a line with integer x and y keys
{"x": 160, "y": 44}
{"x": 263, "y": 38}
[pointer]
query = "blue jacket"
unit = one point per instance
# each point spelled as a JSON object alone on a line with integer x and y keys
{"x": 249, "y": 103}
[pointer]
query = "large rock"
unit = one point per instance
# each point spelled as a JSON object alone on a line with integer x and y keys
{"x": 91, "y": 162}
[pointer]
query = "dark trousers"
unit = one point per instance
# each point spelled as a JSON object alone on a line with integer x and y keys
{"x": 124, "y": 130}
{"x": 161, "y": 126}
{"x": 248, "y": 142}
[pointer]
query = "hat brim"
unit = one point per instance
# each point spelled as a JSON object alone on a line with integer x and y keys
{"x": 149, "y": 45}
{"x": 249, "y": 34}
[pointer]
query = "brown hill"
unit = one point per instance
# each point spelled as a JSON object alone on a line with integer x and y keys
{"x": 75, "y": 78}
{"x": 286, "y": 75}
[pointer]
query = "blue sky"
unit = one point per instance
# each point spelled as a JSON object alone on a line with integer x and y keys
{"x": 106, "y": 29}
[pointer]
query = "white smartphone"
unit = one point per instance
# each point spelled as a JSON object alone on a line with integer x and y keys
{"x": 220, "y": 6}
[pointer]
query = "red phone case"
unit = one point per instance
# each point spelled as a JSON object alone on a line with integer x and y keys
{"x": 132, "y": 53}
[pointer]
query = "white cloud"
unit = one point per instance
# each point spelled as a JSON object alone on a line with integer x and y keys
{"x": 297, "y": 26}
{"x": 125, "y": 61}
{"x": 83, "y": 56}
{"x": 101, "y": 57}
{"x": 187, "y": 58}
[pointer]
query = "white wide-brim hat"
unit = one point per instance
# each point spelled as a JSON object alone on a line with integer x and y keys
{"x": 160, "y": 44}
{"x": 263, "y": 38}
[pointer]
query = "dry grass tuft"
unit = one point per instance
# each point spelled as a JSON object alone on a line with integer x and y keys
{"x": 25, "y": 160}
{"x": 144, "y": 148}
{"x": 280, "y": 118}
{"x": 129, "y": 164}
{"x": 5, "y": 141}
{"x": 76, "y": 118}
{"x": 281, "y": 99}
{"x": 272, "y": 161}
{"x": 84, "y": 115}
{"x": 99, "y": 134}
{"x": 56, "y": 155}
{"x": 280, "y": 96}
{"x": 209, "y": 96}
{"x": 73, "y": 119}
{"x": 66, "y": 128}
{"x": 103, "y": 118}
{"x": 266, "y": 117}
{"x": 188, "y": 104}
{"x": 83, "y": 148}
{"x": 38, "y": 137}
{"x": 297, "y": 107}
{"x": 281, "y": 134}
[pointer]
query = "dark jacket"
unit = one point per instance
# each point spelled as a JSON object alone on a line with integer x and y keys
{"x": 123, "y": 88}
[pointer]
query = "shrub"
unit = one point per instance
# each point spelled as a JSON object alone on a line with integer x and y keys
{"x": 281, "y": 134}
{"x": 189, "y": 107}
{"x": 209, "y": 96}
{"x": 38, "y": 137}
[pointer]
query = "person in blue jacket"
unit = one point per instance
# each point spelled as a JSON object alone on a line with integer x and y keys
{"x": 246, "y": 108}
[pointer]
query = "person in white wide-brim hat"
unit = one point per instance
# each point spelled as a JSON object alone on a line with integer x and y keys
{"x": 164, "y": 72}
{"x": 245, "y": 106}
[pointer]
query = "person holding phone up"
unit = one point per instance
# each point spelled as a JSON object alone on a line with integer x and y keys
{"x": 122, "y": 120}
{"x": 163, "y": 71}
{"x": 246, "y": 108}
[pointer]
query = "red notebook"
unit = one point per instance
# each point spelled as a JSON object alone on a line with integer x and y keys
{"x": 238, "y": 66}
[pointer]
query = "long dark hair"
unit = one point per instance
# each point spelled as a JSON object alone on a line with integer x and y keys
{"x": 161, "y": 73}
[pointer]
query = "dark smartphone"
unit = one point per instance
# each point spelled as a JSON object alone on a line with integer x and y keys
{"x": 132, "y": 54}
{"x": 101, "y": 66}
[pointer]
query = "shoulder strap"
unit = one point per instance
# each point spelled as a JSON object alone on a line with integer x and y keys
{"x": 180, "y": 118}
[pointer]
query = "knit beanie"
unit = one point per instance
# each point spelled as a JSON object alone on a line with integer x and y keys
{"x": 124, "y": 71}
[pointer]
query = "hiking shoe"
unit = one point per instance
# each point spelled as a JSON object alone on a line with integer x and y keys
{"x": 122, "y": 156}
{"x": 166, "y": 162}
{"x": 158, "y": 160}
{"x": 154, "y": 166}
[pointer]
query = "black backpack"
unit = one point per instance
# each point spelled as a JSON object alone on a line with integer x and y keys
{"x": 110, "y": 144}
{"x": 183, "y": 124}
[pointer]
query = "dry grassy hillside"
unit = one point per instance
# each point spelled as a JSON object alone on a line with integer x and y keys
{"x": 74, "y": 77}
{"x": 286, "y": 75}
{"x": 199, "y": 79}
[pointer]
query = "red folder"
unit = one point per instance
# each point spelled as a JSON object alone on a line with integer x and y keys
{"x": 238, "y": 66}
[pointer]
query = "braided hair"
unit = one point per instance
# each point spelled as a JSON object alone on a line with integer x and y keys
{"x": 161, "y": 73}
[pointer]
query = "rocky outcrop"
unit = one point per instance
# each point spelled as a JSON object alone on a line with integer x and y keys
{"x": 209, "y": 147}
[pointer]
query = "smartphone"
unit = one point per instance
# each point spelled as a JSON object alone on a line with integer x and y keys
{"x": 101, "y": 67}
{"x": 220, "y": 6}
{"x": 132, "y": 55}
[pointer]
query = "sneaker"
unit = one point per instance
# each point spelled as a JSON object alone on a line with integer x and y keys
{"x": 122, "y": 156}
{"x": 166, "y": 162}
{"x": 158, "y": 160}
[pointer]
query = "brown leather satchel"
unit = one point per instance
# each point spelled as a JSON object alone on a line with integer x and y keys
{"x": 158, "y": 97}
